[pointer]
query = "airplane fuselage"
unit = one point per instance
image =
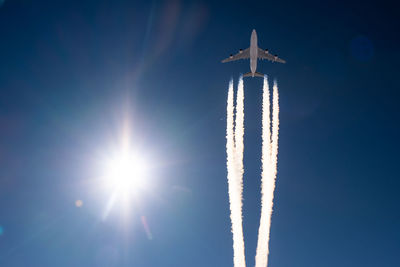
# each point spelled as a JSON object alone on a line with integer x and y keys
{"x": 253, "y": 52}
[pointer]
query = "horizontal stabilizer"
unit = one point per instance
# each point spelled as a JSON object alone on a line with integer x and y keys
{"x": 256, "y": 74}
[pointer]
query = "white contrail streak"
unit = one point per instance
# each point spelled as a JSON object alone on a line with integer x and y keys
{"x": 269, "y": 170}
{"x": 263, "y": 232}
{"x": 239, "y": 133}
{"x": 234, "y": 180}
{"x": 275, "y": 132}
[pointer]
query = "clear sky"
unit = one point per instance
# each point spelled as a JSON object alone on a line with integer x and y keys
{"x": 71, "y": 72}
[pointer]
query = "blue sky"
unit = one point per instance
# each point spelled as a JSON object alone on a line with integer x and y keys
{"x": 71, "y": 72}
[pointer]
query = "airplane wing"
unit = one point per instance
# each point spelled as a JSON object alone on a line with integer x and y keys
{"x": 243, "y": 54}
{"x": 264, "y": 54}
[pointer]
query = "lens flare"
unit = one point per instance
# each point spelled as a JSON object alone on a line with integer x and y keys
{"x": 79, "y": 203}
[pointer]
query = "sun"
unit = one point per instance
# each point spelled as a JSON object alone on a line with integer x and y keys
{"x": 125, "y": 176}
{"x": 126, "y": 173}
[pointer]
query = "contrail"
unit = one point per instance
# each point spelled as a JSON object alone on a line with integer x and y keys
{"x": 235, "y": 171}
{"x": 275, "y": 131}
{"x": 239, "y": 133}
{"x": 263, "y": 232}
{"x": 269, "y": 170}
{"x": 235, "y": 149}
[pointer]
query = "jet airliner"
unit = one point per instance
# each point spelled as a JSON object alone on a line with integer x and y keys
{"x": 254, "y": 53}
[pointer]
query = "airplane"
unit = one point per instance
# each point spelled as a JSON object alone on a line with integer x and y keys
{"x": 254, "y": 53}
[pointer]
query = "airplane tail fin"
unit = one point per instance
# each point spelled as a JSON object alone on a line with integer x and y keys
{"x": 256, "y": 74}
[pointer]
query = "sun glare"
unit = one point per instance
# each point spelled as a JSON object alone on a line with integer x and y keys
{"x": 126, "y": 173}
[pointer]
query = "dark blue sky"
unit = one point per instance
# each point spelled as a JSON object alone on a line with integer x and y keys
{"x": 70, "y": 69}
